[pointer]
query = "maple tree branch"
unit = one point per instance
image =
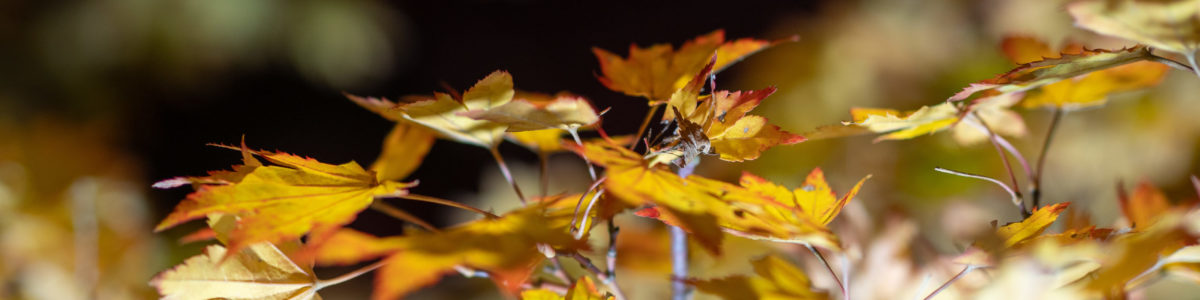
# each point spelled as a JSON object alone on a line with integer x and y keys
{"x": 829, "y": 267}
{"x": 610, "y": 282}
{"x": 1036, "y": 189}
{"x": 679, "y": 249}
{"x": 445, "y": 202}
{"x": 345, "y": 277}
{"x": 559, "y": 271}
{"x": 611, "y": 257}
{"x": 397, "y": 213}
{"x": 1016, "y": 187}
{"x": 645, "y": 123}
{"x": 1007, "y": 147}
{"x": 1016, "y": 200}
{"x": 960, "y": 274}
{"x": 507, "y": 174}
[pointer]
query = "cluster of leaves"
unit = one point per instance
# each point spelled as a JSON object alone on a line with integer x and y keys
{"x": 277, "y": 221}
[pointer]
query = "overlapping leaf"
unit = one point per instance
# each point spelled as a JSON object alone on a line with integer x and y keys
{"x": 658, "y": 71}
{"x": 442, "y": 112}
{"x": 1047, "y": 71}
{"x": 582, "y": 289}
{"x": 534, "y": 111}
{"x": 403, "y": 150}
{"x": 774, "y": 278}
{"x": 705, "y": 207}
{"x": 1085, "y": 90}
{"x": 508, "y": 249}
{"x": 1169, "y": 25}
{"x": 907, "y": 125}
{"x": 260, "y": 271}
{"x": 280, "y": 202}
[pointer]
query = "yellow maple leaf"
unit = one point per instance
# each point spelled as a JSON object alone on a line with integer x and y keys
{"x": 658, "y": 71}
{"x": 1085, "y": 90}
{"x": 1169, "y": 25}
{"x": 403, "y": 150}
{"x": 582, "y": 289}
{"x": 508, "y": 248}
{"x": 1016, "y": 233}
{"x": 900, "y": 126}
{"x": 774, "y": 278}
{"x": 442, "y": 112}
{"x": 260, "y": 272}
{"x": 535, "y": 111}
{"x": 814, "y": 198}
{"x": 280, "y": 202}
{"x": 706, "y": 207}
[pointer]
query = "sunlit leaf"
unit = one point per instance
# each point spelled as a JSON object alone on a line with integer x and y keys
{"x": 582, "y": 289}
{"x": 774, "y": 278}
{"x": 1169, "y": 25}
{"x": 281, "y": 202}
{"x": 658, "y": 71}
{"x": 403, "y": 150}
{"x": 442, "y": 112}
{"x": 1015, "y": 233}
{"x": 899, "y": 126}
{"x": 531, "y": 111}
{"x": 259, "y": 271}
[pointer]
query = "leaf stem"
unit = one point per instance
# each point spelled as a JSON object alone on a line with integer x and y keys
{"x": 445, "y": 202}
{"x": 645, "y": 124}
{"x": 394, "y": 212}
{"x": 1016, "y": 187}
{"x": 591, "y": 169}
{"x": 1036, "y": 189}
{"x": 507, "y": 174}
{"x": 960, "y": 274}
{"x": 591, "y": 268}
{"x": 821, "y": 258}
{"x": 679, "y": 249}
{"x": 345, "y": 277}
{"x": 1191, "y": 57}
{"x": 1016, "y": 200}
{"x": 575, "y": 217}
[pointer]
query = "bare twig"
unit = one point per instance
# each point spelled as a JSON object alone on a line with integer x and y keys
{"x": 1170, "y": 62}
{"x": 841, "y": 285}
{"x": 1036, "y": 189}
{"x": 1007, "y": 147}
{"x": 394, "y": 212}
{"x": 344, "y": 277}
{"x": 575, "y": 217}
{"x": 611, "y": 261}
{"x": 1016, "y": 187}
{"x": 960, "y": 274}
{"x": 543, "y": 168}
{"x": 445, "y": 202}
{"x": 507, "y": 174}
{"x": 1016, "y": 200}
{"x": 591, "y": 169}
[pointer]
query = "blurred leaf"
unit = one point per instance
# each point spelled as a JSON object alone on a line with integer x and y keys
{"x": 259, "y": 271}
{"x": 901, "y": 126}
{"x": 1167, "y": 24}
{"x": 442, "y": 112}
{"x": 534, "y": 112}
{"x": 775, "y": 278}
{"x": 403, "y": 150}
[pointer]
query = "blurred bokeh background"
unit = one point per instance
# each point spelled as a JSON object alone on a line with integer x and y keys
{"x": 99, "y": 99}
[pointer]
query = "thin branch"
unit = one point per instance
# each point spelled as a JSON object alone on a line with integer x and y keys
{"x": 397, "y": 213}
{"x": 543, "y": 168}
{"x": 575, "y": 217}
{"x": 1016, "y": 200}
{"x": 611, "y": 257}
{"x": 591, "y": 268}
{"x": 960, "y": 274}
{"x": 1036, "y": 189}
{"x": 645, "y": 123}
{"x": 559, "y": 271}
{"x": 586, "y": 212}
{"x": 550, "y": 286}
{"x": 1196, "y": 184}
{"x": 344, "y": 277}
{"x": 507, "y": 174}
{"x": 445, "y": 202}
{"x": 1016, "y": 187}
{"x": 821, "y": 258}
{"x": 1007, "y": 147}
{"x": 591, "y": 169}
{"x": 679, "y": 264}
